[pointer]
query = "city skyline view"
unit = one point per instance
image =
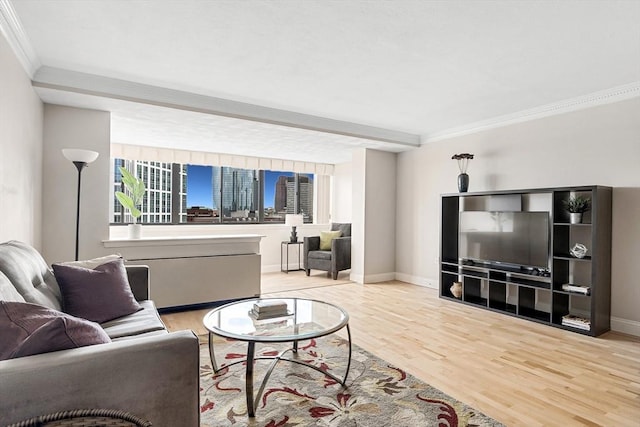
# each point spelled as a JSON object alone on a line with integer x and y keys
{"x": 179, "y": 193}
{"x": 200, "y": 189}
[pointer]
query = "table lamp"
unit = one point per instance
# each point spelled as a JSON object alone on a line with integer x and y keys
{"x": 294, "y": 221}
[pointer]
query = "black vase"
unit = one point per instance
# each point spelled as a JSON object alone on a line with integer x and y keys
{"x": 463, "y": 182}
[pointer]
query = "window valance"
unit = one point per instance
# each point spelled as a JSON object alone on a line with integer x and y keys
{"x": 171, "y": 155}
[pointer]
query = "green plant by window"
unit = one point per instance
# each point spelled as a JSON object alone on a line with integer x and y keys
{"x": 577, "y": 204}
{"x": 136, "y": 189}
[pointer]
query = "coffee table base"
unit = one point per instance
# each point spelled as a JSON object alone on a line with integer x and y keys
{"x": 252, "y": 401}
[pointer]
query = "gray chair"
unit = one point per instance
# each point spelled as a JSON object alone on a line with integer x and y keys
{"x": 333, "y": 261}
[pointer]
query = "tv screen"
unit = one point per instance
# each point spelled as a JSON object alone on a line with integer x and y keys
{"x": 515, "y": 238}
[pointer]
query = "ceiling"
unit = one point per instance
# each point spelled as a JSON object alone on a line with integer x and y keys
{"x": 381, "y": 74}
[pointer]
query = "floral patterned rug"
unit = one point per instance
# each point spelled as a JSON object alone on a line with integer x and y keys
{"x": 377, "y": 393}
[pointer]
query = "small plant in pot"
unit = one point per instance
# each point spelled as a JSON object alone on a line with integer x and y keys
{"x": 132, "y": 200}
{"x": 576, "y": 206}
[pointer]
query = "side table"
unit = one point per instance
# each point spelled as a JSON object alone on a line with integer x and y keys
{"x": 284, "y": 247}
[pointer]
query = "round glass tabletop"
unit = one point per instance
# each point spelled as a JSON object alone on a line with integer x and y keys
{"x": 304, "y": 319}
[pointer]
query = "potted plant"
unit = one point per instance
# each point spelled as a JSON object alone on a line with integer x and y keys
{"x": 133, "y": 200}
{"x": 576, "y": 206}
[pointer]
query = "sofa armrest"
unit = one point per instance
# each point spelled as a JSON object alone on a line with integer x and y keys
{"x": 311, "y": 243}
{"x": 341, "y": 253}
{"x": 139, "y": 280}
{"x": 155, "y": 378}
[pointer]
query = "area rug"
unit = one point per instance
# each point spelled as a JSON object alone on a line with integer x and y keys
{"x": 377, "y": 393}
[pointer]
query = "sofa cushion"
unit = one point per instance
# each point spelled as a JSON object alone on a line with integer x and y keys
{"x": 326, "y": 255}
{"x": 28, "y": 329}
{"x": 140, "y": 322}
{"x": 8, "y": 292}
{"x": 92, "y": 263}
{"x": 29, "y": 274}
{"x": 100, "y": 295}
{"x": 326, "y": 237}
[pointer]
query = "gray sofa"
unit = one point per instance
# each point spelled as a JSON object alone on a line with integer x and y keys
{"x": 145, "y": 370}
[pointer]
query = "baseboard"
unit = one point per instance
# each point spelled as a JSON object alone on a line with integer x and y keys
{"x": 377, "y": 278}
{"x": 625, "y": 326}
{"x": 417, "y": 280}
{"x": 270, "y": 268}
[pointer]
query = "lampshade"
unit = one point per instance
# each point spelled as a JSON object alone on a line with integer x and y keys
{"x": 78, "y": 155}
{"x": 294, "y": 220}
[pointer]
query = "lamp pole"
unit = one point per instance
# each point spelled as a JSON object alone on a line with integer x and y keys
{"x": 79, "y": 166}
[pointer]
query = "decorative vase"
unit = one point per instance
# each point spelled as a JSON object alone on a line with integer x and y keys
{"x": 463, "y": 182}
{"x": 456, "y": 289}
{"x": 578, "y": 250}
{"x": 135, "y": 231}
{"x": 575, "y": 217}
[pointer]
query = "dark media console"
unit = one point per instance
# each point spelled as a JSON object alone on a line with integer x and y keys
{"x": 510, "y": 253}
{"x": 533, "y": 271}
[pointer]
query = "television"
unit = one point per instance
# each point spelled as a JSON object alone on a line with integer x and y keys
{"x": 512, "y": 239}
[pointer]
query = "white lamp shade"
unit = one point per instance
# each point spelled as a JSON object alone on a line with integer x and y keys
{"x": 78, "y": 155}
{"x": 294, "y": 220}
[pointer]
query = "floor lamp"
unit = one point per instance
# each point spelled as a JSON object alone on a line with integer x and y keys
{"x": 80, "y": 159}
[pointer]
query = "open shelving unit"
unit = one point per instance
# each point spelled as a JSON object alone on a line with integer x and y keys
{"x": 537, "y": 294}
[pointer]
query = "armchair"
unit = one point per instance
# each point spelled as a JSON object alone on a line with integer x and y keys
{"x": 331, "y": 261}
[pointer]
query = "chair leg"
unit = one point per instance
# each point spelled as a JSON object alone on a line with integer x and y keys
{"x": 335, "y": 275}
{"x": 308, "y": 271}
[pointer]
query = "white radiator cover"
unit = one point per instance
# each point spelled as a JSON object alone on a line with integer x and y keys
{"x": 188, "y": 270}
{"x": 201, "y": 279}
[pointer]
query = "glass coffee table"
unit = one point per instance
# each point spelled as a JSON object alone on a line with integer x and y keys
{"x": 305, "y": 319}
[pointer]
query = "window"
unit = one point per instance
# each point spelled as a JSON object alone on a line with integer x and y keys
{"x": 215, "y": 194}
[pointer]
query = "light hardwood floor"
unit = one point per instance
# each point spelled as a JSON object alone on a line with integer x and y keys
{"x": 519, "y": 372}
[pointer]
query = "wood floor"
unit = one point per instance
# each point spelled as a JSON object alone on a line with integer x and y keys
{"x": 519, "y": 372}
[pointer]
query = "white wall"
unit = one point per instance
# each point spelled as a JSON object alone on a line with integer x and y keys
{"x": 380, "y": 218}
{"x": 67, "y": 127}
{"x": 358, "y": 210}
{"x": 20, "y": 153}
{"x": 341, "y": 193}
{"x": 599, "y": 145}
{"x": 374, "y": 216}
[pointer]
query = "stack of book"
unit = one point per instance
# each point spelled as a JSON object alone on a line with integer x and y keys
{"x": 576, "y": 322}
{"x": 269, "y": 309}
{"x": 585, "y": 290}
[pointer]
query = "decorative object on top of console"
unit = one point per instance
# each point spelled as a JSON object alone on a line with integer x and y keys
{"x": 576, "y": 206}
{"x": 463, "y": 164}
{"x": 578, "y": 250}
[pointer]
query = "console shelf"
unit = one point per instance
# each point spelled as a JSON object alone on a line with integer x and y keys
{"x": 535, "y": 294}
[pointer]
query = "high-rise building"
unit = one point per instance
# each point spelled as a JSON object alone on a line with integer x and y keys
{"x": 157, "y": 178}
{"x": 280, "y": 202}
{"x": 288, "y": 200}
{"x": 235, "y": 191}
{"x": 306, "y": 196}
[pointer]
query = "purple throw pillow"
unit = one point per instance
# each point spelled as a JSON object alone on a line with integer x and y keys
{"x": 28, "y": 329}
{"x": 100, "y": 295}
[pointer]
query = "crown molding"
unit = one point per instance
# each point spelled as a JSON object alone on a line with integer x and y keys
{"x": 12, "y": 30}
{"x": 615, "y": 94}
